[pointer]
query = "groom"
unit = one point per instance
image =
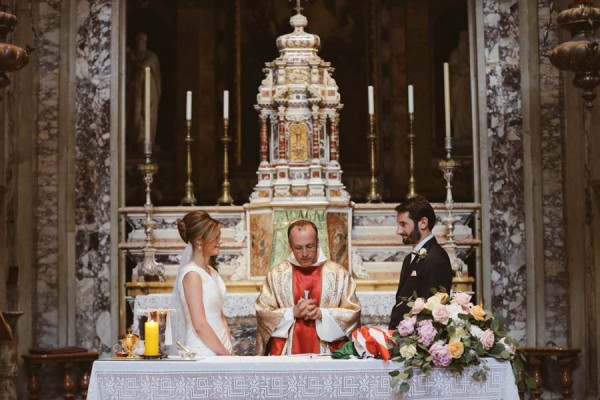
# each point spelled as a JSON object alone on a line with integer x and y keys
{"x": 428, "y": 264}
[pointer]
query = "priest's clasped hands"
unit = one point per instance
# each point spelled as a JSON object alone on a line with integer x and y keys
{"x": 306, "y": 309}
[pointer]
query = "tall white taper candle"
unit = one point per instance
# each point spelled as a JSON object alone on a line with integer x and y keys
{"x": 371, "y": 100}
{"x": 411, "y": 99}
{"x": 147, "y": 138}
{"x": 188, "y": 105}
{"x": 447, "y": 99}
{"x": 226, "y": 104}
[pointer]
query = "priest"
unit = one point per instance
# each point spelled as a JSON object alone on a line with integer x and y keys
{"x": 307, "y": 304}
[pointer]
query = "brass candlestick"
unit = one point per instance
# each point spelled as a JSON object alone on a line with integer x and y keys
{"x": 447, "y": 167}
{"x": 373, "y": 196}
{"x": 411, "y": 158}
{"x": 225, "y": 198}
{"x": 189, "y": 199}
{"x": 150, "y": 269}
{"x": 461, "y": 281}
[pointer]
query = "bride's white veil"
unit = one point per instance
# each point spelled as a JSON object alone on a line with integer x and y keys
{"x": 178, "y": 320}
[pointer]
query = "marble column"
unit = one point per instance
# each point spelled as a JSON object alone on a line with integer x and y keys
{"x": 92, "y": 168}
{"x": 552, "y": 121}
{"x": 46, "y": 269}
{"x": 505, "y": 163}
{"x": 506, "y": 173}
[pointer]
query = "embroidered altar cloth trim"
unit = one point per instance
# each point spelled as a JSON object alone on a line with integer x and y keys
{"x": 287, "y": 377}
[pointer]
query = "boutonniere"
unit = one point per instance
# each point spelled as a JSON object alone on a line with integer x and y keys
{"x": 421, "y": 254}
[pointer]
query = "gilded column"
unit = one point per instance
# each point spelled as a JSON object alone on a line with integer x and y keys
{"x": 315, "y": 136}
{"x": 282, "y": 146}
{"x": 264, "y": 143}
{"x": 333, "y": 143}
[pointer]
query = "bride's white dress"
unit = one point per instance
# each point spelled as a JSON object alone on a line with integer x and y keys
{"x": 213, "y": 297}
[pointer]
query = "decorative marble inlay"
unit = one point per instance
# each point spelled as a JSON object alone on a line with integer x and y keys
{"x": 505, "y": 163}
{"x": 337, "y": 231}
{"x": 48, "y": 55}
{"x": 555, "y": 263}
{"x": 261, "y": 236}
{"x": 169, "y": 221}
{"x": 92, "y": 168}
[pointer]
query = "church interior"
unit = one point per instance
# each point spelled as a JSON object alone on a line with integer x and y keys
{"x": 119, "y": 117}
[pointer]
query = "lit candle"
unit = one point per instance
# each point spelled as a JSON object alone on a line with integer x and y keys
{"x": 147, "y": 138}
{"x": 411, "y": 99}
{"x": 188, "y": 105}
{"x": 226, "y": 104}
{"x": 447, "y": 98}
{"x": 151, "y": 338}
{"x": 371, "y": 101}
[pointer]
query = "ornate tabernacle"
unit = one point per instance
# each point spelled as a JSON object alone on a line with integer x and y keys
{"x": 298, "y": 103}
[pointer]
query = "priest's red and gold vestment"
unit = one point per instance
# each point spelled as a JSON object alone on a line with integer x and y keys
{"x": 334, "y": 291}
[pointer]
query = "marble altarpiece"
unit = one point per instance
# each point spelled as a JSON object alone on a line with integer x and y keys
{"x": 299, "y": 175}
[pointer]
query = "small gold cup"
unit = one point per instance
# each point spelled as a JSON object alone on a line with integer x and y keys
{"x": 129, "y": 342}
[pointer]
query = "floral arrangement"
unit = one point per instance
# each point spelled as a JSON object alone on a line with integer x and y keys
{"x": 436, "y": 332}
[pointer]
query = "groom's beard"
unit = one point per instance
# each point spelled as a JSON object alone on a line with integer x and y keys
{"x": 413, "y": 238}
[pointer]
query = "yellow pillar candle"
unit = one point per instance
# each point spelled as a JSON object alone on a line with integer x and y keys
{"x": 151, "y": 338}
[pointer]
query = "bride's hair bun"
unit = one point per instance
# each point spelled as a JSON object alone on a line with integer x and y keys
{"x": 182, "y": 230}
{"x": 198, "y": 225}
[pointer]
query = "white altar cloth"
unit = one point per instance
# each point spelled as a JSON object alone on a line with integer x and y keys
{"x": 287, "y": 377}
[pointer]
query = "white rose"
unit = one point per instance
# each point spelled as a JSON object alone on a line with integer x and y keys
{"x": 408, "y": 351}
{"x": 440, "y": 313}
{"x": 453, "y": 311}
{"x": 432, "y": 301}
{"x": 476, "y": 331}
{"x": 418, "y": 306}
{"x": 461, "y": 298}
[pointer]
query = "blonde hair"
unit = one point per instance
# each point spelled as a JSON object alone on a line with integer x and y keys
{"x": 198, "y": 224}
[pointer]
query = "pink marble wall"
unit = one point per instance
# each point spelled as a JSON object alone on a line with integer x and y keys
{"x": 261, "y": 241}
{"x": 337, "y": 232}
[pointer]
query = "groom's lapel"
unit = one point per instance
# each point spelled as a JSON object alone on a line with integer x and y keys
{"x": 427, "y": 246}
{"x": 405, "y": 267}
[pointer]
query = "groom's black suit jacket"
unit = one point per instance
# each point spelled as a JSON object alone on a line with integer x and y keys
{"x": 432, "y": 271}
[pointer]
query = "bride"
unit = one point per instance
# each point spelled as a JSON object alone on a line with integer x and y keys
{"x": 199, "y": 290}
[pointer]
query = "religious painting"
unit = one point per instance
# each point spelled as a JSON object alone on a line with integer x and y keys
{"x": 298, "y": 142}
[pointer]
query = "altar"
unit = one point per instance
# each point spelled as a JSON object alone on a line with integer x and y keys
{"x": 287, "y": 377}
{"x": 299, "y": 176}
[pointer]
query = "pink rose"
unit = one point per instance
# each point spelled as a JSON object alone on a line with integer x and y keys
{"x": 407, "y": 326}
{"x": 440, "y": 313}
{"x": 487, "y": 339}
{"x": 462, "y": 298}
{"x": 418, "y": 306}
